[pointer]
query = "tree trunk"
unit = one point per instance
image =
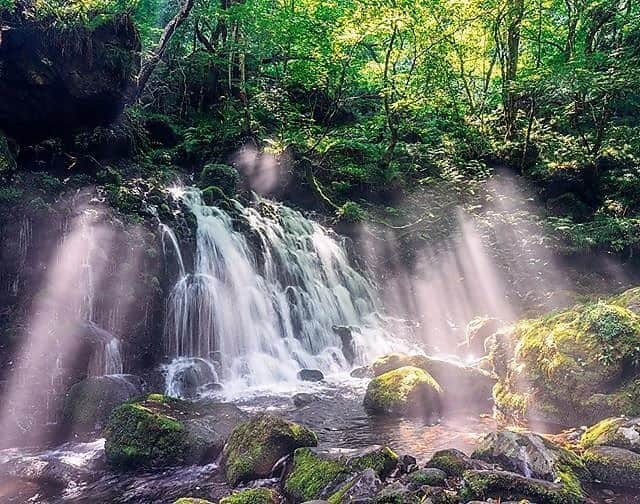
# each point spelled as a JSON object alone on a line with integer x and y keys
{"x": 514, "y": 20}
{"x": 150, "y": 65}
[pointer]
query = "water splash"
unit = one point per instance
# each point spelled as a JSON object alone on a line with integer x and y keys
{"x": 267, "y": 290}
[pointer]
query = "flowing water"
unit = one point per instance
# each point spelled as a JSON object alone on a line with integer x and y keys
{"x": 268, "y": 289}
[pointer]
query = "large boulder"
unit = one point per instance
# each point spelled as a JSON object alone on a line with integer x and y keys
{"x": 252, "y": 496}
{"x": 89, "y": 403}
{"x": 531, "y": 455}
{"x": 614, "y": 466}
{"x": 574, "y": 367}
{"x": 406, "y": 391}
{"x": 160, "y": 431}
{"x": 619, "y": 432}
{"x": 56, "y": 80}
{"x": 255, "y": 446}
{"x": 505, "y": 485}
{"x": 454, "y": 462}
{"x": 330, "y": 474}
{"x": 463, "y": 387}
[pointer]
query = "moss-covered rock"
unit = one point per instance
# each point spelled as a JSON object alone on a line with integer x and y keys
{"x": 252, "y": 496}
{"x": 319, "y": 475}
{"x": 222, "y": 176}
{"x": 430, "y": 476}
{"x": 534, "y": 456}
{"x": 160, "y": 431}
{"x": 397, "y": 493}
{"x": 506, "y": 485}
{"x": 577, "y": 366}
{"x": 614, "y": 466}
{"x": 454, "y": 463}
{"x": 463, "y": 387}
{"x": 619, "y": 432}
{"x": 255, "y": 446}
{"x": 89, "y": 403}
{"x": 407, "y": 391}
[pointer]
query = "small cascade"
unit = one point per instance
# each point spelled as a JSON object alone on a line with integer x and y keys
{"x": 267, "y": 291}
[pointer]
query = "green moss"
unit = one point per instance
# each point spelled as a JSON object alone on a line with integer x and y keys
{"x": 311, "y": 475}
{"x": 511, "y": 486}
{"x": 255, "y": 446}
{"x": 223, "y": 176}
{"x": 392, "y": 361}
{"x": 314, "y": 476}
{"x": 7, "y": 161}
{"x": 351, "y": 212}
{"x": 452, "y": 462}
{"x": 568, "y": 367}
{"x": 601, "y": 432}
{"x": 406, "y": 390}
{"x": 429, "y": 477}
{"x": 614, "y": 466}
{"x": 252, "y": 496}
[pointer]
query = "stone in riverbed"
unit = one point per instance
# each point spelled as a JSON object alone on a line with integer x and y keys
{"x": 429, "y": 476}
{"x": 160, "y": 431}
{"x": 362, "y": 372}
{"x": 311, "y": 375}
{"x": 326, "y": 474}
{"x": 614, "y": 466}
{"x": 303, "y": 399}
{"x": 255, "y": 446}
{"x": 89, "y": 403}
{"x": 407, "y": 391}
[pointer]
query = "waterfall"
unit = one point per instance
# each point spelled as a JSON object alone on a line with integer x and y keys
{"x": 269, "y": 288}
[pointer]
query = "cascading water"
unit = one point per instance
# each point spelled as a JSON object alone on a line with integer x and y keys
{"x": 268, "y": 289}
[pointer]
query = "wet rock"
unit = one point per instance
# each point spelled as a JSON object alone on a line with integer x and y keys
{"x": 255, "y": 446}
{"x": 51, "y": 88}
{"x": 160, "y": 431}
{"x": 319, "y": 474}
{"x": 463, "y": 387}
{"x": 506, "y": 485}
{"x": 361, "y": 488}
{"x": 252, "y": 496}
{"x": 345, "y": 333}
{"x": 454, "y": 462}
{"x": 477, "y": 332}
{"x": 406, "y": 391}
{"x": 362, "y": 372}
{"x": 192, "y": 375}
{"x": 619, "y": 432}
{"x": 311, "y": 375}
{"x": 397, "y": 492}
{"x": 533, "y": 456}
{"x": 89, "y": 403}
{"x": 614, "y": 466}
{"x": 407, "y": 463}
{"x": 303, "y": 399}
{"x": 429, "y": 476}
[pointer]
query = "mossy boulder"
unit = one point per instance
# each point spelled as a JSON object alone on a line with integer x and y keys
{"x": 614, "y": 466}
{"x": 328, "y": 474}
{"x": 505, "y": 485}
{"x": 429, "y": 476}
{"x": 619, "y": 432}
{"x": 454, "y": 462}
{"x": 406, "y": 391}
{"x": 462, "y": 387}
{"x": 222, "y": 176}
{"x": 89, "y": 403}
{"x": 580, "y": 365}
{"x": 256, "y": 445}
{"x": 160, "y": 431}
{"x": 252, "y": 496}
{"x": 533, "y": 456}
{"x": 215, "y": 197}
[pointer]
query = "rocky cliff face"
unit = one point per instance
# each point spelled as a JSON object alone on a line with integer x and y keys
{"x": 55, "y": 80}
